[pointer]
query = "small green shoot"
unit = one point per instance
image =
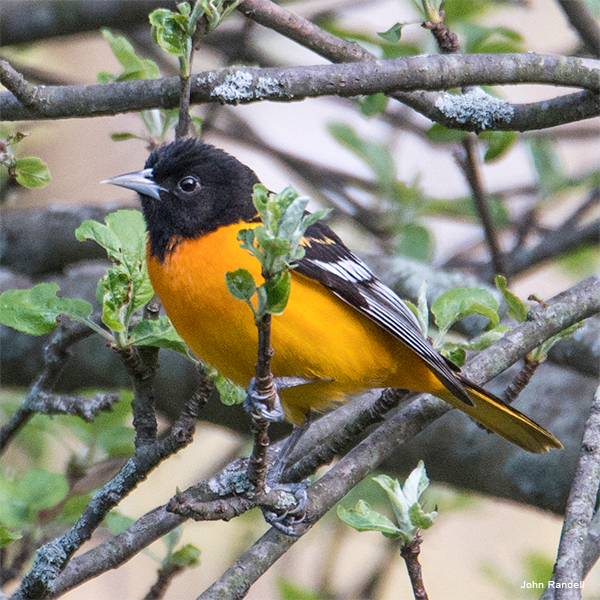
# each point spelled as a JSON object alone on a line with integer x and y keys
{"x": 30, "y": 171}
{"x": 405, "y": 500}
{"x": 276, "y": 245}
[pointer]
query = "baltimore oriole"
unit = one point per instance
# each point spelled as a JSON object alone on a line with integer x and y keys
{"x": 342, "y": 328}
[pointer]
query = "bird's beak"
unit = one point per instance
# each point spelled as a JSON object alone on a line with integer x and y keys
{"x": 141, "y": 182}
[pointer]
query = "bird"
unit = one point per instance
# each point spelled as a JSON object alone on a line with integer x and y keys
{"x": 343, "y": 331}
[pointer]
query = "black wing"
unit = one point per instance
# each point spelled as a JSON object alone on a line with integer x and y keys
{"x": 332, "y": 264}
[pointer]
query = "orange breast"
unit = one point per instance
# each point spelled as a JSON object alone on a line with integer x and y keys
{"x": 318, "y": 337}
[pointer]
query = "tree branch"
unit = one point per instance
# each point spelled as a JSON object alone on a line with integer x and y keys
{"x": 250, "y": 84}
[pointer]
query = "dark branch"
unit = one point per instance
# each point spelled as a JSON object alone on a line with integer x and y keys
{"x": 26, "y": 21}
{"x": 470, "y": 166}
{"x": 583, "y": 21}
{"x": 55, "y": 356}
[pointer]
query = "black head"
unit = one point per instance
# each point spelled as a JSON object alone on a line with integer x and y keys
{"x": 189, "y": 188}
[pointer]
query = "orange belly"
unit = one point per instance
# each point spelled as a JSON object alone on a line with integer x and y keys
{"x": 318, "y": 337}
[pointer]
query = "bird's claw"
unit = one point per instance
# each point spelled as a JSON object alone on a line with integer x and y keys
{"x": 255, "y": 404}
{"x": 288, "y": 520}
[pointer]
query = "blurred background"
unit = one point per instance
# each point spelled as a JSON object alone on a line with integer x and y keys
{"x": 401, "y": 199}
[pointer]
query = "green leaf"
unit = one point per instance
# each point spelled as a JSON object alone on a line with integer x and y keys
{"x": 458, "y": 303}
{"x": 393, "y": 34}
{"x": 41, "y": 489}
{"x": 443, "y": 135}
{"x": 374, "y": 104}
{"x": 160, "y": 333}
{"x": 550, "y": 172}
{"x": 498, "y": 143}
{"x": 278, "y": 292}
{"x": 421, "y": 310}
{"x": 117, "y": 441}
{"x": 7, "y": 536}
{"x": 229, "y": 392}
{"x": 102, "y": 235}
{"x": 377, "y": 157}
{"x": 134, "y": 67}
{"x": 186, "y": 556}
{"x": 240, "y": 284}
{"x": 457, "y": 355}
{"x": 464, "y": 209}
{"x": 541, "y": 352}
{"x": 31, "y": 172}
{"x": 288, "y": 590}
{"x": 170, "y": 31}
{"x": 415, "y": 242}
{"x": 123, "y": 136}
{"x": 116, "y": 299}
{"x": 419, "y": 518}
{"x": 517, "y": 309}
{"x": 126, "y": 287}
{"x": 117, "y": 523}
{"x": 364, "y": 518}
{"x": 35, "y": 311}
{"x": 485, "y": 340}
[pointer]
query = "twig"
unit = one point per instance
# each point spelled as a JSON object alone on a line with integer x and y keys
{"x": 142, "y": 371}
{"x": 13, "y": 81}
{"x": 265, "y": 388}
{"x": 519, "y": 383}
{"x": 473, "y": 175}
{"x": 580, "y": 508}
{"x": 164, "y": 578}
{"x": 447, "y": 40}
{"x": 55, "y": 356}
{"x": 583, "y": 21}
{"x": 410, "y": 553}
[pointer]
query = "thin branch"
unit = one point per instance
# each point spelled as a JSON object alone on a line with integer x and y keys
{"x": 472, "y": 172}
{"x": 410, "y": 553}
{"x": 580, "y": 302}
{"x": 56, "y": 354}
{"x": 519, "y": 383}
{"x": 164, "y": 578}
{"x": 250, "y": 84}
{"x": 14, "y": 82}
{"x": 142, "y": 370}
{"x": 583, "y": 21}
{"x": 264, "y": 388}
{"x": 569, "y": 566}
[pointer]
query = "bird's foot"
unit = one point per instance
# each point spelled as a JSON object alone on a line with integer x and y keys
{"x": 286, "y": 511}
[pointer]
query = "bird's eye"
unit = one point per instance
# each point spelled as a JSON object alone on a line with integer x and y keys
{"x": 189, "y": 184}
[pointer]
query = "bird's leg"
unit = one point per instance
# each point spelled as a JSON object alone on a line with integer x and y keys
{"x": 287, "y": 520}
{"x": 256, "y": 404}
